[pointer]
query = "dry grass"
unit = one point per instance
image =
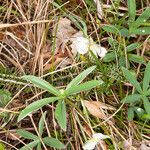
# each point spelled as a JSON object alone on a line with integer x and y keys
{"x": 26, "y": 45}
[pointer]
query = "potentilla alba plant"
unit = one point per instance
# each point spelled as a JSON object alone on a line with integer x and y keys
{"x": 91, "y": 143}
{"x": 82, "y": 45}
{"x": 60, "y": 97}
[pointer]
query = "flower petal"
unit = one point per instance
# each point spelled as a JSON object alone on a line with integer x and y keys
{"x": 90, "y": 144}
{"x": 98, "y": 50}
{"x": 100, "y": 136}
{"x": 102, "y": 52}
{"x": 80, "y": 44}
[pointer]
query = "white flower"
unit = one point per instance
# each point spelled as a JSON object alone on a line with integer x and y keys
{"x": 90, "y": 144}
{"x": 98, "y": 50}
{"x": 82, "y": 45}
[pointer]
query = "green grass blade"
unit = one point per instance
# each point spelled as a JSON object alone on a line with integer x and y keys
{"x": 41, "y": 84}
{"x": 27, "y": 135}
{"x": 131, "y": 10}
{"x": 52, "y": 142}
{"x": 35, "y": 106}
{"x": 129, "y": 76}
{"x": 77, "y": 80}
{"x": 41, "y": 123}
{"x": 83, "y": 87}
{"x": 60, "y": 114}
{"x": 146, "y": 79}
{"x": 131, "y": 98}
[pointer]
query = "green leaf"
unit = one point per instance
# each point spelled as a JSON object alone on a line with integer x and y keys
{"x": 130, "y": 113}
{"x": 30, "y": 145}
{"x": 141, "y": 31}
{"x": 129, "y": 76}
{"x": 131, "y": 9}
{"x": 146, "y": 104}
{"x": 111, "y": 29}
{"x": 109, "y": 57}
{"x": 146, "y": 116}
{"x": 139, "y": 111}
{"x": 122, "y": 61}
{"x": 52, "y": 142}
{"x": 124, "y": 32}
{"x": 77, "y": 21}
{"x": 146, "y": 79}
{"x": 27, "y": 135}
{"x": 2, "y": 146}
{"x": 83, "y": 87}
{"x": 142, "y": 18}
{"x": 5, "y": 97}
{"x": 131, "y": 98}
{"x": 39, "y": 147}
{"x": 41, "y": 123}
{"x": 35, "y": 106}
{"x": 41, "y": 84}
{"x": 136, "y": 58}
{"x": 60, "y": 114}
{"x": 77, "y": 80}
{"x": 147, "y": 93}
{"x": 132, "y": 47}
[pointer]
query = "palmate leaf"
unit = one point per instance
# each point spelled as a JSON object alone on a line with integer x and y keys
{"x": 129, "y": 76}
{"x": 60, "y": 114}
{"x": 146, "y": 79}
{"x": 27, "y": 135}
{"x": 42, "y": 84}
{"x": 77, "y": 80}
{"x": 35, "y": 106}
{"x": 83, "y": 87}
{"x": 52, "y": 142}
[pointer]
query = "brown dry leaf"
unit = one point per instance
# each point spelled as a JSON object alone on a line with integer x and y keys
{"x": 103, "y": 145}
{"x": 94, "y": 107}
{"x": 99, "y": 9}
{"x": 87, "y": 130}
{"x": 64, "y": 31}
{"x": 144, "y": 147}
